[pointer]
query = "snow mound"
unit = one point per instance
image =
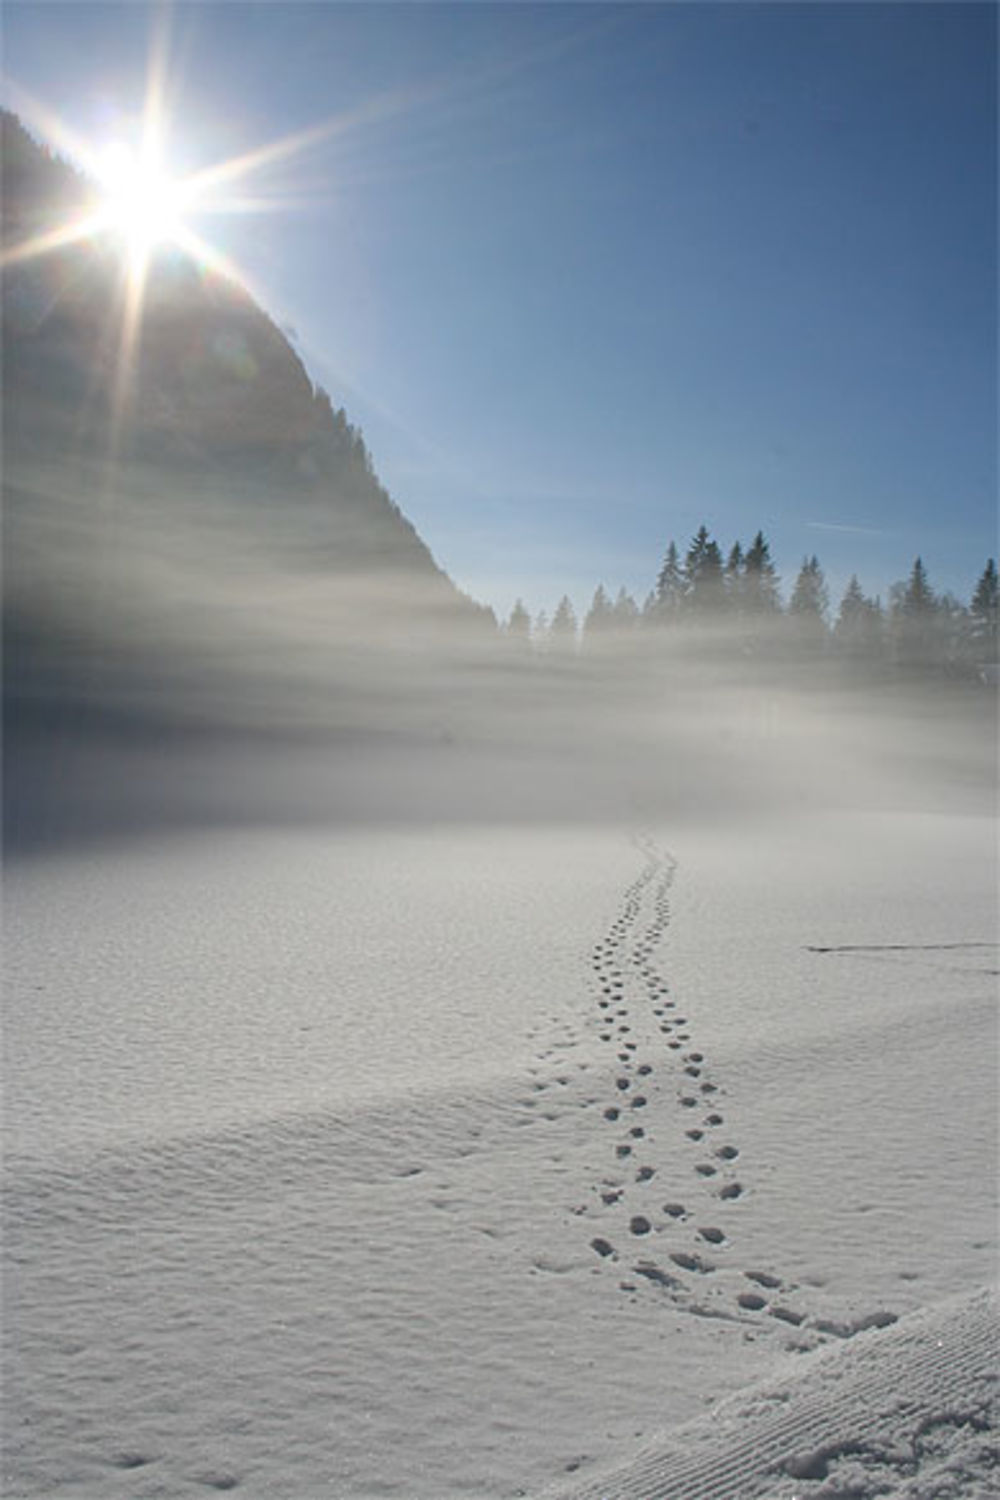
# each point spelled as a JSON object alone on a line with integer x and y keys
{"x": 909, "y": 1411}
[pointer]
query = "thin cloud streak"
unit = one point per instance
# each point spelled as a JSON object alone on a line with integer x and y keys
{"x": 852, "y": 530}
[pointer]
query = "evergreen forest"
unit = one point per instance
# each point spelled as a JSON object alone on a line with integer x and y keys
{"x": 734, "y": 599}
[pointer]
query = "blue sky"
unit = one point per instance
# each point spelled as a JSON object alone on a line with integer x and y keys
{"x": 588, "y": 276}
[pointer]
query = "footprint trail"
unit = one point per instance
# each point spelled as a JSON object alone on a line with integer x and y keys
{"x": 680, "y": 1241}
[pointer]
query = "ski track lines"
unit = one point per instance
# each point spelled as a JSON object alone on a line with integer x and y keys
{"x": 882, "y": 1407}
{"x": 657, "y": 1060}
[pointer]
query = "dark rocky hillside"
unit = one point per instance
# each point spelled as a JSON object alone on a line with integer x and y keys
{"x": 158, "y": 502}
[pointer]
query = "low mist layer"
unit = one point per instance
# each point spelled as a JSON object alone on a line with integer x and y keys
{"x": 215, "y": 614}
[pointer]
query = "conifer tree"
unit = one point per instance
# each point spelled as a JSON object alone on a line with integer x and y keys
{"x": 810, "y": 599}
{"x": 734, "y": 577}
{"x": 696, "y": 555}
{"x": 914, "y": 618}
{"x": 705, "y": 592}
{"x": 625, "y": 611}
{"x": 760, "y": 579}
{"x": 918, "y": 599}
{"x": 860, "y": 626}
{"x": 671, "y": 587}
{"x": 600, "y": 615}
{"x": 519, "y": 624}
{"x": 984, "y": 611}
{"x": 808, "y": 605}
{"x": 852, "y": 604}
{"x": 562, "y": 631}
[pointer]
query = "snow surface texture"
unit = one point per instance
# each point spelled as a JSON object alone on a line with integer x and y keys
{"x": 908, "y": 1412}
{"x": 444, "y": 1164}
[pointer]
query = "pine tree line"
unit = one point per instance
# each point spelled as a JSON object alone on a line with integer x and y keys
{"x": 741, "y": 592}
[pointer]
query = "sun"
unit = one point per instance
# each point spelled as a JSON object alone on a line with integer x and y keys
{"x": 133, "y": 203}
{"x": 138, "y": 200}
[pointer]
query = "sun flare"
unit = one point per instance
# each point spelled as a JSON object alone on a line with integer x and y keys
{"x": 135, "y": 204}
{"x": 139, "y": 201}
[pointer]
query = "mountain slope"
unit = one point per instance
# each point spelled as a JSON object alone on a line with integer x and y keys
{"x": 183, "y": 497}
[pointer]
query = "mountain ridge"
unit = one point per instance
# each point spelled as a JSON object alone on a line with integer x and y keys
{"x": 209, "y": 420}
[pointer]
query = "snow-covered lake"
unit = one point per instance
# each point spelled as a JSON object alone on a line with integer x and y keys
{"x": 466, "y": 1161}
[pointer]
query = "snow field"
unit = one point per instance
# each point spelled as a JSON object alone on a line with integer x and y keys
{"x": 438, "y": 1166}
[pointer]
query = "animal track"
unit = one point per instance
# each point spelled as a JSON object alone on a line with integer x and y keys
{"x": 751, "y": 1301}
{"x": 656, "y": 1045}
{"x": 654, "y": 1273}
{"x": 691, "y": 1262}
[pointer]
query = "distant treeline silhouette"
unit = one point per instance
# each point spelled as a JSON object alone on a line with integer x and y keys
{"x": 738, "y": 596}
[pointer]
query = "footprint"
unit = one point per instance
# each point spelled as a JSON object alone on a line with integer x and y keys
{"x": 639, "y": 1101}
{"x": 763, "y": 1278}
{"x": 712, "y": 1235}
{"x": 688, "y": 1102}
{"x": 714, "y": 1120}
{"x": 675, "y": 1210}
{"x": 626, "y": 1083}
{"x": 694, "y": 1135}
{"x": 612, "y": 1113}
{"x": 655, "y": 1274}
{"x": 645, "y": 1173}
{"x": 639, "y": 1224}
{"x": 731, "y": 1190}
{"x": 751, "y": 1301}
{"x": 727, "y": 1153}
{"x": 691, "y": 1262}
{"x": 788, "y": 1315}
{"x": 603, "y": 1247}
{"x": 705, "y": 1169}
